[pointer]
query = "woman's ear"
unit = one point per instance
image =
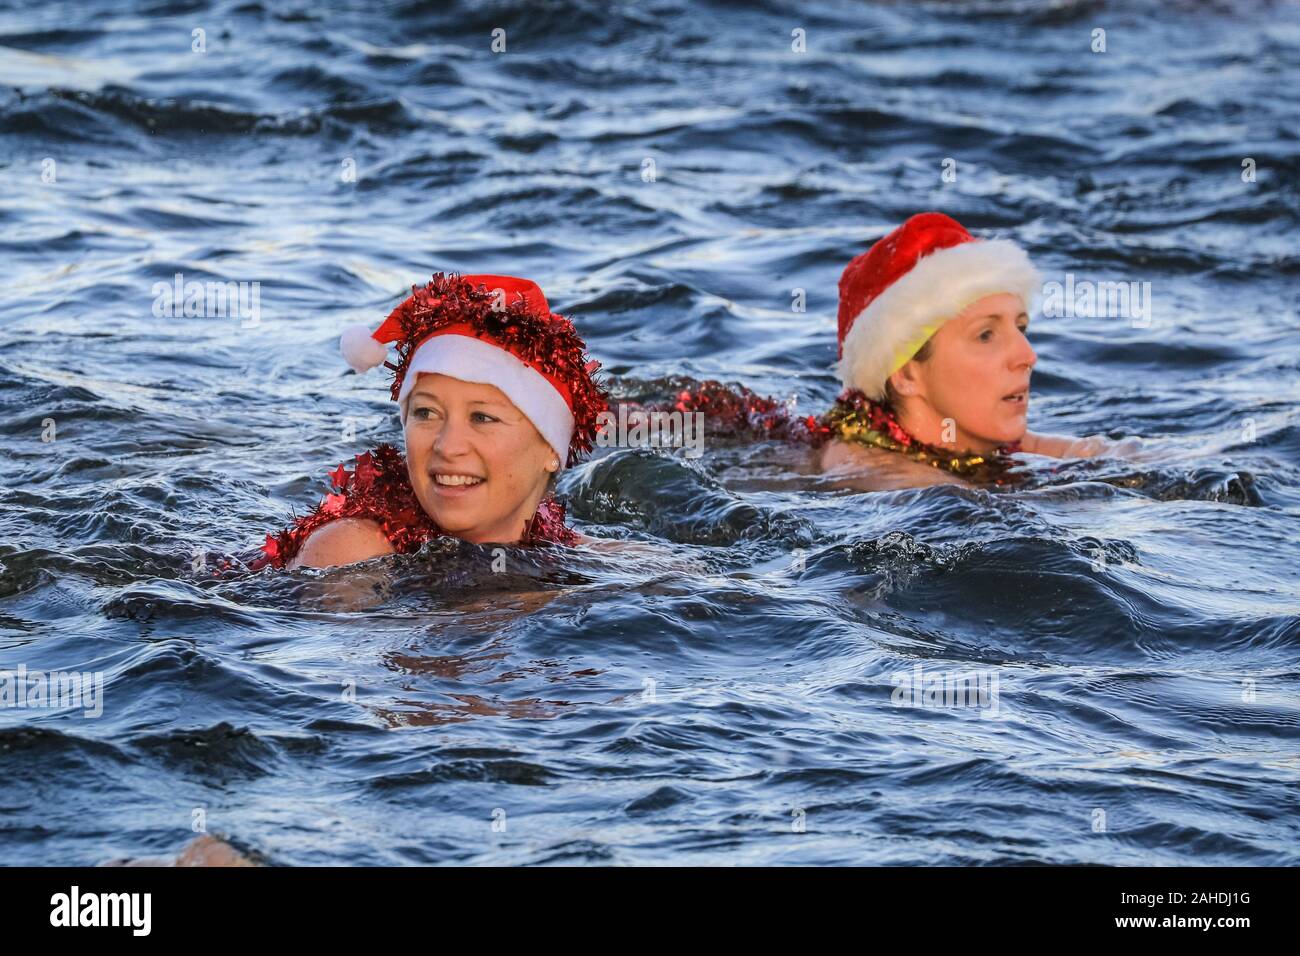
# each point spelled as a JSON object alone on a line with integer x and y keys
{"x": 907, "y": 380}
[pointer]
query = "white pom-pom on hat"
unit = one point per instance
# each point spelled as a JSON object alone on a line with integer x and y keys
{"x": 360, "y": 350}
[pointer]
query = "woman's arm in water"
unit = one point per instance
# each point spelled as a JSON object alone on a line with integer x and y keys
{"x": 201, "y": 851}
{"x": 645, "y": 557}
{"x": 1062, "y": 446}
{"x": 344, "y": 541}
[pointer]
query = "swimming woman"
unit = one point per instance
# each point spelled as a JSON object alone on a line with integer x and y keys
{"x": 496, "y": 395}
{"x": 935, "y": 362}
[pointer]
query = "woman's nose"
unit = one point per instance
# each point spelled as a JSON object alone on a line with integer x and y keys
{"x": 452, "y": 439}
{"x": 1025, "y": 354}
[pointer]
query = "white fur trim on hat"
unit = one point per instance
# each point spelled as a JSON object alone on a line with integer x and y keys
{"x": 936, "y": 289}
{"x": 471, "y": 359}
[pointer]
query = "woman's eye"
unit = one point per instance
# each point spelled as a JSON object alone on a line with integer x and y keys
{"x": 422, "y": 413}
{"x": 483, "y": 417}
{"x": 986, "y": 335}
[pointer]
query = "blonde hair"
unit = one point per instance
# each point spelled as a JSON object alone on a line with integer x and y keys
{"x": 923, "y": 353}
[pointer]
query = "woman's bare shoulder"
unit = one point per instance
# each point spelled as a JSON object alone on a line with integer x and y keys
{"x": 344, "y": 541}
{"x": 864, "y": 468}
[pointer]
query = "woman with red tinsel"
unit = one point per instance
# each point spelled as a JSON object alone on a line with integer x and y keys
{"x": 496, "y": 396}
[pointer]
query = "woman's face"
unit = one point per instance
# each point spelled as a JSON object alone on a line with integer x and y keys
{"x": 978, "y": 372}
{"x": 477, "y": 464}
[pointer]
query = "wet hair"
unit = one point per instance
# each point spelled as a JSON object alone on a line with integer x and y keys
{"x": 923, "y": 353}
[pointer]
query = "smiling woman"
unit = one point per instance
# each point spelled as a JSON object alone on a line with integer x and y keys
{"x": 496, "y": 396}
{"x": 478, "y": 465}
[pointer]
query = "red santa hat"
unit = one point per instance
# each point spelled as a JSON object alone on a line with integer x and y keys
{"x": 899, "y": 292}
{"x": 494, "y": 330}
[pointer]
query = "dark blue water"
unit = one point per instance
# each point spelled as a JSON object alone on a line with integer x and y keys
{"x": 728, "y": 699}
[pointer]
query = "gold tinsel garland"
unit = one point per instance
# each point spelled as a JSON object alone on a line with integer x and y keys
{"x": 858, "y": 419}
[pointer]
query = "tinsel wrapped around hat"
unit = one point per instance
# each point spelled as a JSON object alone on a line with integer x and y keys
{"x": 492, "y": 330}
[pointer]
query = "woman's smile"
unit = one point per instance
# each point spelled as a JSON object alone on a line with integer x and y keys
{"x": 448, "y": 484}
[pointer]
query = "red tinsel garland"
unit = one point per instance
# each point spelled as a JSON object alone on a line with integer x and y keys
{"x": 379, "y": 489}
{"x": 736, "y": 411}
